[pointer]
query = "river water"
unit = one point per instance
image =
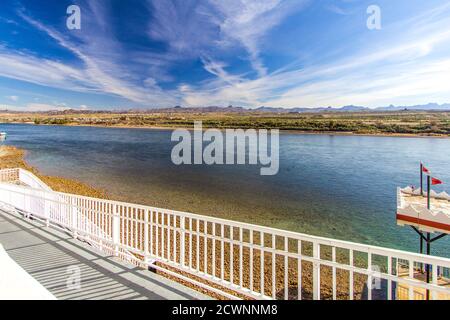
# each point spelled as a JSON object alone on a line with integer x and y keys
{"x": 335, "y": 186}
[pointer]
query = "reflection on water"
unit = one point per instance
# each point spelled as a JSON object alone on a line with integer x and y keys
{"x": 336, "y": 186}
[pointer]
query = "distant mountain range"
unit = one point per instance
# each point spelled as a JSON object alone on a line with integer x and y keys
{"x": 351, "y": 108}
{"x": 233, "y": 109}
{"x": 426, "y": 107}
{"x": 321, "y": 109}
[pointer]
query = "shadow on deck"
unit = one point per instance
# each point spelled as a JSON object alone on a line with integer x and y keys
{"x": 55, "y": 259}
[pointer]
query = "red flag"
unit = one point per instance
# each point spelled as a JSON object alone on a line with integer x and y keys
{"x": 425, "y": 170}
{"x": 435, "y": 181}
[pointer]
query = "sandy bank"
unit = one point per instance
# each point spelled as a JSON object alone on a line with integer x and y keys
{"x": 12, "y": 157}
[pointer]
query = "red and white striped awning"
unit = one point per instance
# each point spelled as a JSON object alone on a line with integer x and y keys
{"x": 412, "y": 210}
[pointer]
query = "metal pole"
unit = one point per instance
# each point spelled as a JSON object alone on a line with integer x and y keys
{"x": 428, "y": 234}
{"x": 421, "y": 178}
{"x": 421, "y": 251}
{"x": 428, "y": 266}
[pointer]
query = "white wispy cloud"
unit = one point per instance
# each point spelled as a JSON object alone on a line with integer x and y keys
{"x": 26, "y": 67}
{"x": 217, "y": 69}
{"x": 190, "y": 27}
{"x": 93, "y": 73}
{"x": 34, "y": 107}
{"x": 248, "y": 21}
{"x": 8, "y": 21}
{"x": 102, "y": 70}
{"x": 13, "y": 98}
{"x": 406, "y": 69}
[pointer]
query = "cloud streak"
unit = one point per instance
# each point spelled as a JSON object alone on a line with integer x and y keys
{"x": 403, "y": 70}
{"x": 247, "y": 22}
{"x": 101, "y": 73}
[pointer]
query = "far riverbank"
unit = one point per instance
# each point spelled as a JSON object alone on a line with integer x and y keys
{"x": 404, "y": 123}
{"x": 286, "y": 131}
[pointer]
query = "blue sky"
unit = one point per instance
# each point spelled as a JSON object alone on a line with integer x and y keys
{"x": 280, "y": 53}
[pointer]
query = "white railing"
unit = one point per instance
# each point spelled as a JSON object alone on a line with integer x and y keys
{"x": 23, "y": 176}
{"x": 53, "y": 211}
{"x": 230, "y": 258}
{"x": 31, "y": 180}
{"x": 9, "y": 175}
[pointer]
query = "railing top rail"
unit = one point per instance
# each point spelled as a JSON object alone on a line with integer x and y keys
{"x": 9, "y": 169}
{"x": 268, "y": 230}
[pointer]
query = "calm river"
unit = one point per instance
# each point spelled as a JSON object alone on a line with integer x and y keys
{"x": 335, "y": 186}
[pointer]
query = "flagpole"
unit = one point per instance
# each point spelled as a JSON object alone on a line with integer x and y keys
{"x": 428, "y": 233}
{"x": 428, "y": 266}
{"x": 421, "y": 178}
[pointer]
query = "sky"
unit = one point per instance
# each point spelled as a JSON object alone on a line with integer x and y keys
{"x": 249, "y": 53}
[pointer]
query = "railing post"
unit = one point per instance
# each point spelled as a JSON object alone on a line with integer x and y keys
{"x": 389, "y": 282}
{"x": 146, "y": 238}
{"x": 316, "y": 271}
{"x": 74, "y": 217}
{"x": 116, "y": 230}
{"x": 351, "y": 284}
{"x": 434, "y": 271}
{"x": 183, "y": 240}
{"x": 46, "y": 212}
{"x": 369, "y": 276}
{"x": 26, "y": 206}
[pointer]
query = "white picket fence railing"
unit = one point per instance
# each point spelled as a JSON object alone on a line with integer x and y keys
{"x": 10, "y": 175}
{"x": 230, "y": 258}
{"x": 23, "y": 176}
{"x": 31, "y": 180}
